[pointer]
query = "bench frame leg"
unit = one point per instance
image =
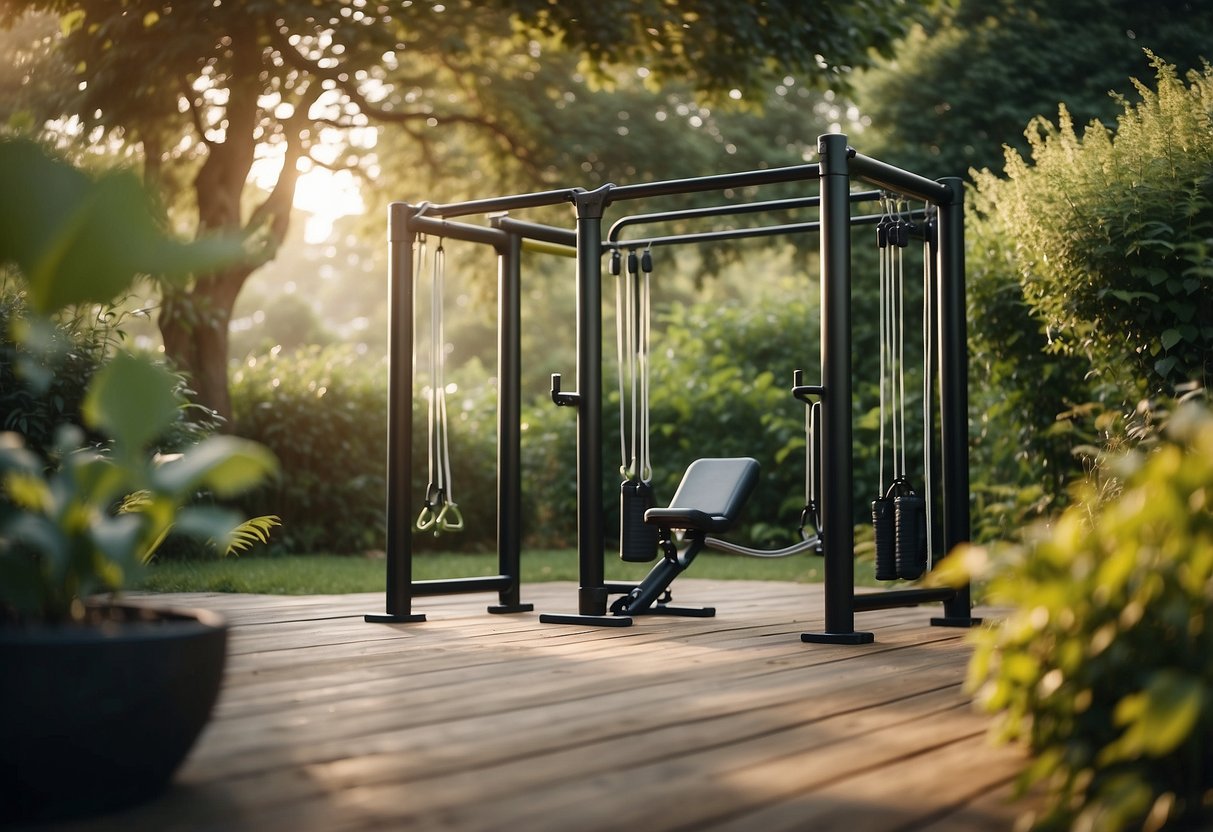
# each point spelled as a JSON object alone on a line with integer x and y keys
{"x": 650, "y": 595}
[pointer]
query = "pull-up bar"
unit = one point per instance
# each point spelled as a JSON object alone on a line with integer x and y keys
{"x": 730, "y": 210}
{"x": 746, "y": 233}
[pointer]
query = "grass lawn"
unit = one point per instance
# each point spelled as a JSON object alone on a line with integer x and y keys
{"x": 332, "y": 574}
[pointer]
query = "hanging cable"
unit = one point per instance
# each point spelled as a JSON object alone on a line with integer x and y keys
{"x": 638, "y": 541}
{"x": 642, "y": 356}
{"x": 883, "y": 526}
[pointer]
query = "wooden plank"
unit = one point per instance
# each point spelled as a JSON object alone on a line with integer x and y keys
{"x": 473, "y": 721}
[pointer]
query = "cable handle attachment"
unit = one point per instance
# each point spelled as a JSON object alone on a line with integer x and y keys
{"x": 810, "y": 394}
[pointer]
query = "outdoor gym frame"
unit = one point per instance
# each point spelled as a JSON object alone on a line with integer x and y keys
{"x": 838, "y": 167}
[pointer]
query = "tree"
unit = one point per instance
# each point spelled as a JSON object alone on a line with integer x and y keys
{"x": 198, "y": 94}
{"x": 968, "y": 81}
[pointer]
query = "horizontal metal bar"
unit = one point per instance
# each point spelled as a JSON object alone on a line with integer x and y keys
{"x": 901, "y": 598}
{"x": 537, "y": 231}
{"x": 457, "y": 231}
{"x": 493, "y": 205}
{"x": 540, "y": 247}
{"x": 744, "y": 233}
{"x": 903, "y": 182}
{"x": 719, "y": 182}
{"x": 730, "y": 210}
{"x": 454, "y": 586}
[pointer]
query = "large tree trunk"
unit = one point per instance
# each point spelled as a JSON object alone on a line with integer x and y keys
{"x": 194, "y": 326}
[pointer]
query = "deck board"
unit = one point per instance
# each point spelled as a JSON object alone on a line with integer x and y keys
{"x": 470, "y": 721}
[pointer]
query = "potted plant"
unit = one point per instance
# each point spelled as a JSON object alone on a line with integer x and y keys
{"x": 101, "y": 700}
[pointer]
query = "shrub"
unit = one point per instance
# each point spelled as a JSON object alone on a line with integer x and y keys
{"x": 323, "y": 412}
{"x": 1090, "y": 271}
{"x": 1104, "y": 666}
{"x": 1112, "y": 235}
{"x": 44, "y": 376}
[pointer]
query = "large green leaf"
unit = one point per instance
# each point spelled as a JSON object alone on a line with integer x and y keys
{"x": 76, "y": 239}
{"x": 132, "y": 400}
{"x": 224, "y": 465}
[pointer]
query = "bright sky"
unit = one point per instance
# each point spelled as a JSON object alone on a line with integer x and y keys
{"x": 325, "y": 196}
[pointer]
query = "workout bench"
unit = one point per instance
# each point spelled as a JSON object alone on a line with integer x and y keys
{"x": 708, "y": 500}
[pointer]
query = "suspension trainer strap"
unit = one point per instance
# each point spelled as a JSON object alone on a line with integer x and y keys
{"x": 621, "y": 315}
{"x": 440, "y": 512}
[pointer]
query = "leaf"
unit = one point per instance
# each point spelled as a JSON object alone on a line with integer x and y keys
{"x": 225, "y": 465}
{"x": 1170, "y": 338}
{"x": 255, "y": 530}
{"x": 71, "y": 21}
{"x": 1160, "y": 718}
{"x": 131, "y": 400}
{"x": 1164, "y": 366}
{"x": 79, "y": 240}
{"x": 206, "y": 522}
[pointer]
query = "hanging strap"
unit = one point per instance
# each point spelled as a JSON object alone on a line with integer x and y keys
{"x": 440, "y": 512}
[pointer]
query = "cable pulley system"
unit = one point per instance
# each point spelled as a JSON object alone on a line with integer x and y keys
{"x": 899, "y": 518}
{"x": 637, "y": 540}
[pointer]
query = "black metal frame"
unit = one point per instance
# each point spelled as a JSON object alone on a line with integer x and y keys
{"x": 839, "y": 167}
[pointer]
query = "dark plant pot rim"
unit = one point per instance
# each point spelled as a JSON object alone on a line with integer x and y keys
{"x": 109, "y": 709}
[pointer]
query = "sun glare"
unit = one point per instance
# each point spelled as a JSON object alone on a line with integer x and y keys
{"x": 325, "y": 196}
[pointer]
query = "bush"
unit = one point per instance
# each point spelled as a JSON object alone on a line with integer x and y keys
{"x": 323, "y": 412}
{"x": 43, "y": 377}
{"x": 1112, "y": 236}
{"x": 1104, "y": 667}
{"x": 1090, "y": 271}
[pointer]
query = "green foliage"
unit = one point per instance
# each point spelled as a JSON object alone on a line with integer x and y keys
{"x": 197, "y": 94}
{"x": 723, "y": 45}
{"x": 46, "y": 366}
{"x": 252, "y": 532}
{"x": 1104, "y": 665}
{"x": 62, "y": 535}
{"x": 966, "y": 82}
{"x": 1088, "y": 291}
{"x": 721, "y": 375}
{"x": 79, "y": 239}
{"x": 323, "y": 412}
{"x": 1110, "y": 235}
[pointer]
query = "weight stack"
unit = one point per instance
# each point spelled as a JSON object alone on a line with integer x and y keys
{"x": 910, "y": 522}
{"x": 884, "y": 528}
{"x": 637, "y": 539}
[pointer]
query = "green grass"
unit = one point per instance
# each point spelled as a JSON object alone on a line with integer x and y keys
{"x": 330, "y": 574}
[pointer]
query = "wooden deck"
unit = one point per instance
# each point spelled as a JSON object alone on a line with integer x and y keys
{"x": 472, "y": 721}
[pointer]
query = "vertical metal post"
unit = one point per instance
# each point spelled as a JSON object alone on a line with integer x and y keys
{"x": 509, "y": 425}
{"x": 954, "y": 393}
{"x": 930, "y": 367}
{"x": 837, "y": 452}
{"x": 591, "y": 537}
{"x": 400, "y": 420}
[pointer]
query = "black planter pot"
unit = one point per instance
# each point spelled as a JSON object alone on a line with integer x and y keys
{"x": 96, "y": 718}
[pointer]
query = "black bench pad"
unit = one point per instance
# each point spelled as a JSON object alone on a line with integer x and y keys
{"x": 710, "y": 496}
